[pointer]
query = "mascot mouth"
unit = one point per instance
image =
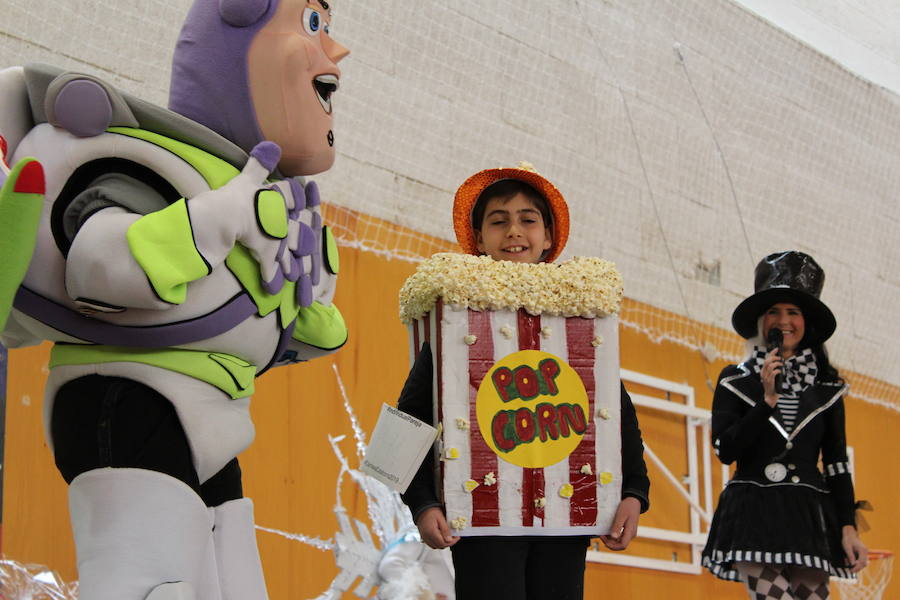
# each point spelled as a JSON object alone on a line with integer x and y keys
{"x": 325, "y": 86}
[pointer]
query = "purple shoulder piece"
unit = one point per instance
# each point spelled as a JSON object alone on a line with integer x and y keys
{"x": 82, "y": 108}
{"x": 241, "y": 13}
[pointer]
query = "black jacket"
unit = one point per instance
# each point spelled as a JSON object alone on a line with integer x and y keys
{"x": 747, "y": 430}
{"x": 416, "y": 400}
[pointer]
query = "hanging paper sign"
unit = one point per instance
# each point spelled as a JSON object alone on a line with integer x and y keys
{"x": 397, "y": 448}
{"x": 532, "y": 409}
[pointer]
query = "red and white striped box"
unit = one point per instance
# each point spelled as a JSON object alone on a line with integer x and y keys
{"x": 530, "y": 411}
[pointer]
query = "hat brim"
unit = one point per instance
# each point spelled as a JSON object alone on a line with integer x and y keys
{"x": 468, "y": 193}
{"x": 819, "y": 321}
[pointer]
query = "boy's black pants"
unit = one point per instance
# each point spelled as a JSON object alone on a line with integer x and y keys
{"x": 520, "y": 568}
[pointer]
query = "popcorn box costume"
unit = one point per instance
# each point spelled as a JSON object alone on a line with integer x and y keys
{"x": 526, "y": 389}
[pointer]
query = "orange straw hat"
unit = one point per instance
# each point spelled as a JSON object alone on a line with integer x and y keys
{"x": 468, "y": 193}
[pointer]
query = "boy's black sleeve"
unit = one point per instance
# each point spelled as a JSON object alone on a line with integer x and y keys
{"x": 416, "y": 400}
{"x": 635, "y": 482}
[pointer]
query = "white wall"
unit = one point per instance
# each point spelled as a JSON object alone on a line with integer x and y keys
{"x": 682, "y": 132}
{"x": 862, "y": 35}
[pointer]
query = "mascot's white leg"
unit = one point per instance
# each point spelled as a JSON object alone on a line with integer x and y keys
{"x": 138, "y": 534}
{"x": 173, "y": 591}
{"x": 237, "y": 556}
{"x": 209, "y": 587}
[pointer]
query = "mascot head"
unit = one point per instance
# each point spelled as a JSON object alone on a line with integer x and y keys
{"x": 254, "y": 70}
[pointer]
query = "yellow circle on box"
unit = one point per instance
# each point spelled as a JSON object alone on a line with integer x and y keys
{"x": 532, "y": 409}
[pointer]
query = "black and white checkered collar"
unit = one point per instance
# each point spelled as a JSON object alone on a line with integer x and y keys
{"x": 800, "y": 370}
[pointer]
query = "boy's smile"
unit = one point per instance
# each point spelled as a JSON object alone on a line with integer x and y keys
{"x": 513, "y": 229}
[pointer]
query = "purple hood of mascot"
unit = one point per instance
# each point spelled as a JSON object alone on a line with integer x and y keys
{"x": 237, "y": 61}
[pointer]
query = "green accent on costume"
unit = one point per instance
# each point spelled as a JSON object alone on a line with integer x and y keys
{"x": 20, "y": 216}
{"x": 272, "y": 213}
{"x": 330, "y": 248}
{"x": 214, "y": 170}
{"x": 320, "y": 326}
{"x": 228, "y": 373}
{"x": 246, "y": 269}
{"x": 163, "y": 244}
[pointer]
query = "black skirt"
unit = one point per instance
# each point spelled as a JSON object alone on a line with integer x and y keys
{"x": 780, "y": 524}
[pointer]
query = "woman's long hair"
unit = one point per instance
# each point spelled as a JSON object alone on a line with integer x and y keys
{"x": 827, "y": 371}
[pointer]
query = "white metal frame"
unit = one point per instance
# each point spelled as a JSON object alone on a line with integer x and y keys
{"x": 695, "y": 418}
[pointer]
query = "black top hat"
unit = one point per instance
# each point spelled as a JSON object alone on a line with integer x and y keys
{"x": 793, "y": 277}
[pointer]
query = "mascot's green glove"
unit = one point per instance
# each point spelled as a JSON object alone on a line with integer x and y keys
{"x": 21, "y": 201}
{"x": 320, "y": 326}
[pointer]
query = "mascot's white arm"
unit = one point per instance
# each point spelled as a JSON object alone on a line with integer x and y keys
{"x": 124, "y": 259}
{"x": 100, "y": 267}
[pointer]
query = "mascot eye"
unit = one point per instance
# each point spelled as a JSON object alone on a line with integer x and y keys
{"x": 312, "y": 21}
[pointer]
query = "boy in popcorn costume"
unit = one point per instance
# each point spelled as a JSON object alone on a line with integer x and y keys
{"x": 177, "y": 258}
{"x": 537, "y": 453}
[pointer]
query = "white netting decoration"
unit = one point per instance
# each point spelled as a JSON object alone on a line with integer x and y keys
{"x": 873, "y": 580}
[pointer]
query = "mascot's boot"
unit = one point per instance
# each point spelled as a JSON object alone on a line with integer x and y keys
{"x": 136, "y": 530}
{"x": 237, "y": 557}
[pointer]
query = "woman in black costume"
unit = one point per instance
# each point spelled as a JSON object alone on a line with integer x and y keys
{"x": 782, "y": 526}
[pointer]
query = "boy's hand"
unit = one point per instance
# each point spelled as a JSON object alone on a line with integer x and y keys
{"x": 434, "y": 529}
{"x": 624, "y": 525}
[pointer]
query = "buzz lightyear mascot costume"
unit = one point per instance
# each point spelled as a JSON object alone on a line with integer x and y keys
{"x": 175, "y": 258}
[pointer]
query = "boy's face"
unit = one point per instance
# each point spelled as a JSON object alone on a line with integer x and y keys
{"x": 513, "y": 229}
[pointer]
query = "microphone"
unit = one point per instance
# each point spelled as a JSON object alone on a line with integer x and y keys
{"x": 774, "y": 339}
